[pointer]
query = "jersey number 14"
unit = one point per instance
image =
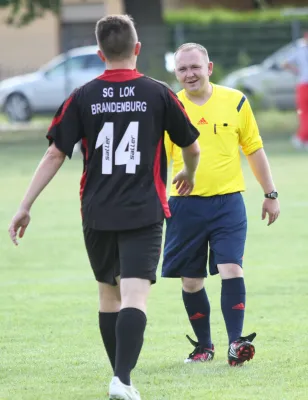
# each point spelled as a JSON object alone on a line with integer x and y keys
{"x": 126, "y": 152}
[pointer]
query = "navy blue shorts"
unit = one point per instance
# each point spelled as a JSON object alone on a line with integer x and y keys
{"x": 203, "y": 229}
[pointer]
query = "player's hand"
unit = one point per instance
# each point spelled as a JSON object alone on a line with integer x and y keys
{"x": 272, "y": 208}
{"x": 184, "y": 182}
{"x": 19, "y": 225}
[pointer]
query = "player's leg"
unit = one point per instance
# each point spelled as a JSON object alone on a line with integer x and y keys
{"x": 227, "y": 242}
{"x": 110, "y": 305}
{"x": 131, "y": 325}
{"x": 139, "y": 252}
{"x": 185, "y": 255}
{"x": 303, "y": 114}
{"x": 300, "y": 140}
{"x": 104, "y": 258}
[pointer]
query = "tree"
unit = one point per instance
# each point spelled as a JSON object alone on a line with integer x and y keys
{"x": 260, "y": 4}
{"x": 148, "y": 17}
{"x": 23, "y": 12}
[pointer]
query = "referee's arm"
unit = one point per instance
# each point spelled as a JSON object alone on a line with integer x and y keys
{"x": 252, "y": 146}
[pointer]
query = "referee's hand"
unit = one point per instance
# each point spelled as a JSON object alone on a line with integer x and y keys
{"x": 272, "y": 208}
{"x": 19, "y": 224}
{"x": 184, "y": 183}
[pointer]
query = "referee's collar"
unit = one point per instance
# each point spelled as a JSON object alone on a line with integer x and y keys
{"x": 120, "y": 75}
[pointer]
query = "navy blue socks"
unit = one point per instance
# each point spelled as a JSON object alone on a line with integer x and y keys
{"x": 233, "y": 297}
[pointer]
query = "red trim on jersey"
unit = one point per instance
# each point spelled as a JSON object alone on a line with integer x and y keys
{"x": 84, "y": 143}
{"x": 57, "y": 119}
{"x": 119, "y": 75}
{"x": 159, "y": 184}
{"x": 179, "y": 104}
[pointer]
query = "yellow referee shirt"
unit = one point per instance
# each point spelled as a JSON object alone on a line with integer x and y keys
{"x": 226, "y": 123}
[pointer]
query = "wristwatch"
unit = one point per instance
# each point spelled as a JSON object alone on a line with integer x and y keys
{"x": 273, "y": 195}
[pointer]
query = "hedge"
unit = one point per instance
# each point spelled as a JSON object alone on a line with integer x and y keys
{"x": 207, "y": 16}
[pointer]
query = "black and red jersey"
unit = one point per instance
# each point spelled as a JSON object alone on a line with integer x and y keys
{"x": 121, "y": 118}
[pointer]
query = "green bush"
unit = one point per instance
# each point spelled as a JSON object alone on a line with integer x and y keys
{"x": 276, "y": 124}
{"x": 208, "y": 16}
{"x": 218, "y": 73}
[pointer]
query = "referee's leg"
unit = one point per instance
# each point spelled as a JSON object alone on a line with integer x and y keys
{"x": 185, "y": 256}
{"x": 227, "y": 242}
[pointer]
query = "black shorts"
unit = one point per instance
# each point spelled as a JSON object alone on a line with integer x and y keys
{"x": 130, "y": 254}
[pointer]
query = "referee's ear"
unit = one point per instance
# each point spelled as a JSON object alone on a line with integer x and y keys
{"x": 101, "y": 55}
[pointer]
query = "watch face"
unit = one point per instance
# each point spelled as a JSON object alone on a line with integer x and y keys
{"x": 272, "y": 195}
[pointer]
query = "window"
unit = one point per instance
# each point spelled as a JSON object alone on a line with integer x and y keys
{"x": 94, "y": 62}
{"x": 70, "y": 65}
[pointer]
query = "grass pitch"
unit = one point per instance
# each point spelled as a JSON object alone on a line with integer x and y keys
{"x": 50, "y": 347}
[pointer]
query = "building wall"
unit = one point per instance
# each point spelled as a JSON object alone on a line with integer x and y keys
{"x": 24, "y": 49}
{"x": 27, "y": 48}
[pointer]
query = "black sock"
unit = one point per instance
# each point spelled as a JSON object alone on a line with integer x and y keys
{"x": 198, "y": 309}
{"x": 233, "y": 298}
{"x": 107, "y": 326}
{"x": 130, "y": 329}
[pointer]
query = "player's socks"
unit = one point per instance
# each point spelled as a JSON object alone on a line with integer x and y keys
{"x": 107, "y": 326}
{"x": 130, "y": 329}
{"x": 198, "y": 309}
{"x": 233, "y": 298}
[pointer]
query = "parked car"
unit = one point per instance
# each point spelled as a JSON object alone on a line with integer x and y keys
{"x": 271, "y": 85}
{"x": 44, "y": 90}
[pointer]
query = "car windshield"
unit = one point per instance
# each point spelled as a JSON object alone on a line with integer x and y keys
{"x": 52, "y": 64}
{"x": 59, "y": 65}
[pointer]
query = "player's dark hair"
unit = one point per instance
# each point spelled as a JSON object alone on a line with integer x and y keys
{"x": 116, "y": 36}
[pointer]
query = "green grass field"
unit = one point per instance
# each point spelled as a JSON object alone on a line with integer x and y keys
{"x": 50, "y": 347}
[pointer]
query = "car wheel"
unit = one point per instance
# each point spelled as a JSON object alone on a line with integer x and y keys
{"x": 17, "y": 108}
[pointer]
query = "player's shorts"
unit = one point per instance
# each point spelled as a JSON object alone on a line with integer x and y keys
{"x": 204, "y": 229}
{"x": 128, "y": 254}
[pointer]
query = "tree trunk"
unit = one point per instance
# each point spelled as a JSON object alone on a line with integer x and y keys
{"x": 152, "y": 33}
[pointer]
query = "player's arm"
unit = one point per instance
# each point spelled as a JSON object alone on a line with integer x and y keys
{"x": 291, "y": 64}
{"x": 252, "y": 147}
{"x": 290, "y": 67}
{"x": 183, "y": 134}
{"x": 62, "y": 124}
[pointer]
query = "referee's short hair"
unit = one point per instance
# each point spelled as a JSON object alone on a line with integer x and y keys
{"x": 192, "y": 46}
{"x": 116, "y": 36}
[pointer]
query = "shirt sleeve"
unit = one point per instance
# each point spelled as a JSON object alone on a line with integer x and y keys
{"x": 168, "y": 147}
{"x": 177, "y": 122}
{"x": 292, "y": 59}
{"x": 250, "y": 139}
{"x": 66, "y": 127}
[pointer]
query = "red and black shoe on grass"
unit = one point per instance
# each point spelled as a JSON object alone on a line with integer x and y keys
{"x": 200, "y": 354}
{"x": 241, "y": 350}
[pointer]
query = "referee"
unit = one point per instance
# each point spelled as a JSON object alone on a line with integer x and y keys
{"x": 120, "y": 117}
{"x": 214, "y": 214}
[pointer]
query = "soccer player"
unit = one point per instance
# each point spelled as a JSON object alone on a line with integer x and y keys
{"x": 298, "y": 64}
{"x": 213, "y": 216}
{"x": 121, "y": 118}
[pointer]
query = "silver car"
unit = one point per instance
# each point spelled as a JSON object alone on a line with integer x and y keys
{"x": 267, "y": 83}
{"x": 44, "y": 90}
